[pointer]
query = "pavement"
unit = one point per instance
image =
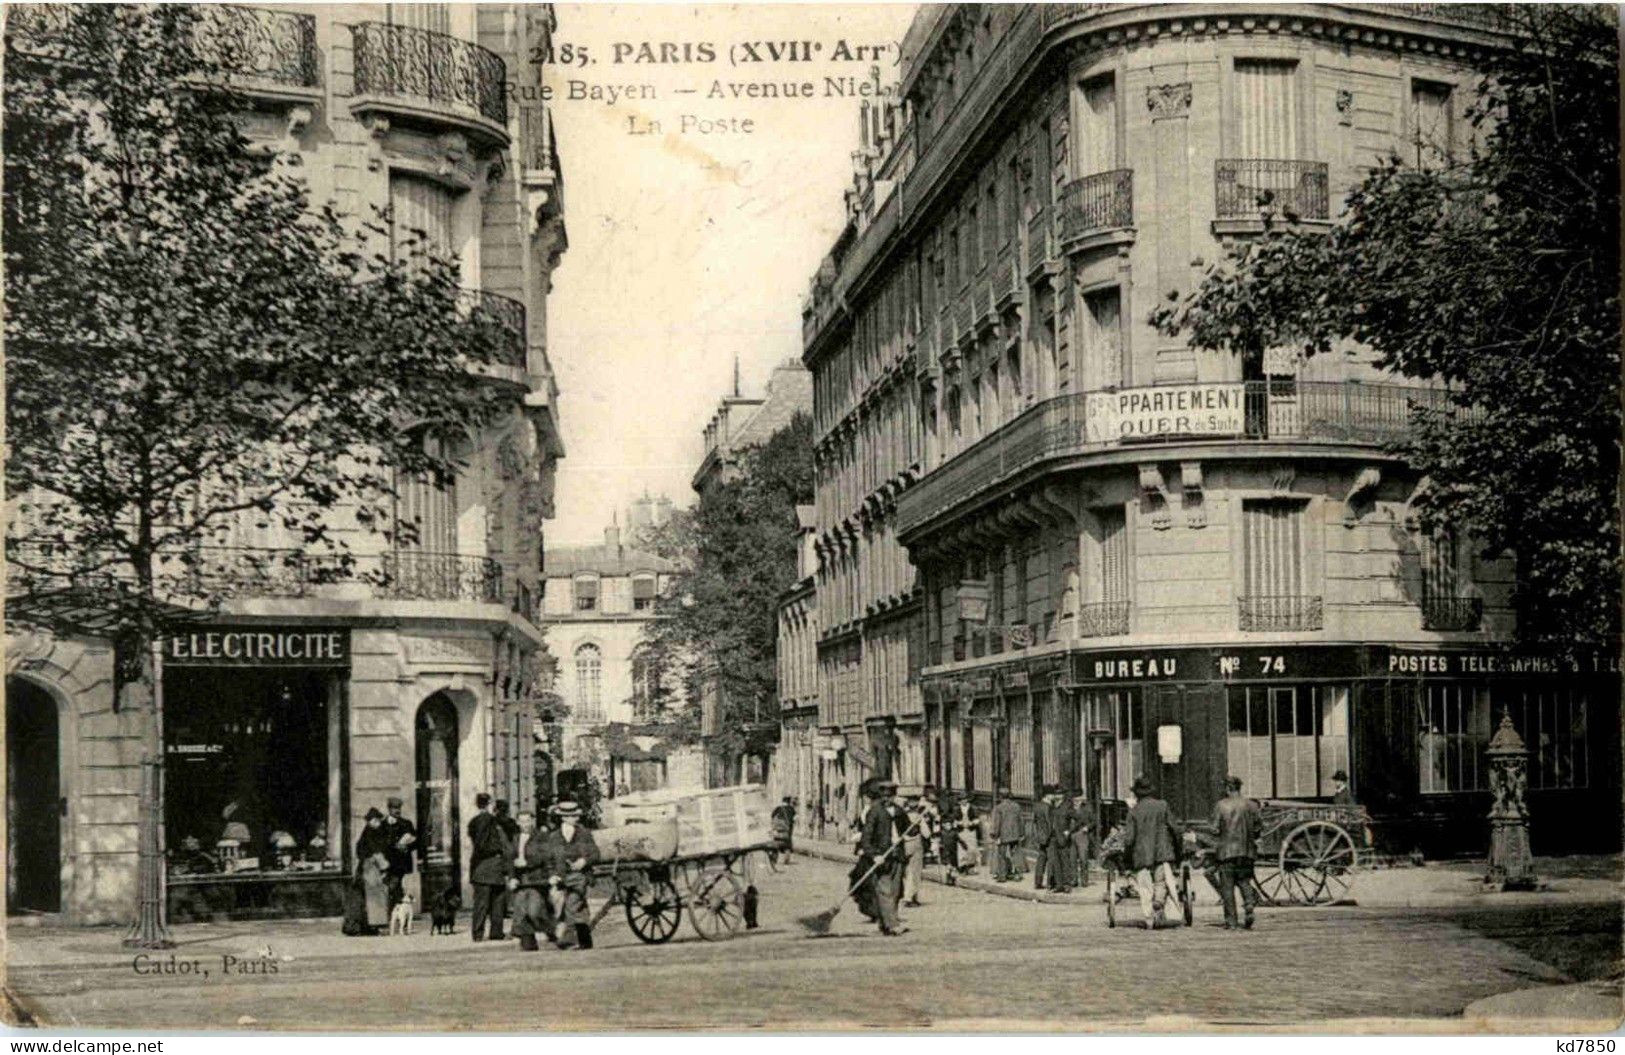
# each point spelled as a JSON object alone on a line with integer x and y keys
{"x": 970, "y": 960}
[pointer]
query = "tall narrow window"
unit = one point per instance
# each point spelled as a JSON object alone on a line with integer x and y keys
{"x": 1103, "y": 338}
{"x": 1097, "y": 127}
{"x": 1431, "y": 126}
{"x": 1441, "y": 567}
{"x": 1021, "y": 748}
{"x": 1274, "y": 588}
{"x": 1114, "y": 565}
{"x": 420, "y": 215}
{"x": 589, "y": 683}
{"x": 1266, "y": 109}
{"x": 1454, "y": 732}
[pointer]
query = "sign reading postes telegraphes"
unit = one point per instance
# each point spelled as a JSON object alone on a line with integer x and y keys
{"x": 1166, "y": 410}
{"x": 259, "y": 646}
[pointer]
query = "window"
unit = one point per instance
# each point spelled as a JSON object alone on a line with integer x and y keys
{"x": 1021, "y": 748}
{"x": 1274, "y": 591}
{"x": 1454, "y": 730}
{"x": 995, "y": 220}
{"x": 1431, "y": 125}
{"x": 973, "y": 248}
{"x": 589, "y": 683}
{"x": 1266, "y": 109}
{"x": 1097, "y": 127}
{"x": 645, "y": 682}
{"x": 1552, "y": 722}
{"x": 643, "y": 593}
{"x": 420, "y": 216}
{"x": 1103, "y": 337}
{"x": 1286, "y": 741}
{"x": 1114, "y": 563}
{"x": 586, "y": 590}
{"x": 982, "y": 757}
{"x": 1128, "y": 732}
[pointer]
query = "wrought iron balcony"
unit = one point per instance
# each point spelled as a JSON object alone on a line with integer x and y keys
{"x": 1280, "y": 612}
{"x": 423, "y": 576}
{"x": 1452, "y": 613}
{"x": 1319, "y": 412}
{"x": 419, "y": 65}
{"x": 1103, "y": 619}
{"x": 1101, "y": 202}
{"x": 509, "y": 314}
{"x": 1245, "y": 187}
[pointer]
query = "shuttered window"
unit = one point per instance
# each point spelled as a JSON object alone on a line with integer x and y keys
{"x": 1021, "y": 748}
{"x": 1057, "y": 739}
{"x": 1431, "y": 126}
{"x": 982, "y": 757}
{"x": 1266, "y": 109}
{"x": 1272, "y": 535}
{"x": 1114, "y": 566}
{"x": 432, "y": 511}
{"x": 1097, "y": 132}
{"x": 586, "y": 591}
{"x": 1441, "y": 567}
{"x": 643, "y": 592}
{"x": 1103, "y": 341}
{"x": 420, "y": 216}
{"x": 956, "y": 750}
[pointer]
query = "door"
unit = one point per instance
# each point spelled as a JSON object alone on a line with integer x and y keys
{"x": 33, "y": 800}
{"x": 439, "y": 833}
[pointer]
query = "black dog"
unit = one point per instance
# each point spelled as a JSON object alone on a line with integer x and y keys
{"x": 443, "y": 911}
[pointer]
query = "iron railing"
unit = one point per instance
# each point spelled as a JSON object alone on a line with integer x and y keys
{"x": 1245, "y": 187}
{"x": 424, "y": 576}
{"x": 1452, "y": 613}
{"x": 1101, "y": 202}
{"x": 1280, "y": 612}
{"x": 411, "y": 63}
{"x": 1103, "y": 619}
{"x": 1308, "y": 411}
{"x": 509, "y": 314}
{"x": 1484, "y": 16}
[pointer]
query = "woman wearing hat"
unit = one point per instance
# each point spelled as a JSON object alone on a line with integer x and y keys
{"x": 367, "y": 904}
{"x": 568, "y": 856}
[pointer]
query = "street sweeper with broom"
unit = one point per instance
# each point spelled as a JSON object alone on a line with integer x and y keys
{"x": 885, "y": 826}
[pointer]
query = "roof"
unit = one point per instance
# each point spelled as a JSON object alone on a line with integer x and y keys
{"x": 621, "y": 560}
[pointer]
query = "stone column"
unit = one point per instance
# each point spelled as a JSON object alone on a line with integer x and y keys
{"x": 1511, "y": 863}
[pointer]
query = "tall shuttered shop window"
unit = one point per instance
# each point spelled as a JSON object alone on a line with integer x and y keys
{"x": 1286, "y": 741}
{"x": 1021, "y": 748}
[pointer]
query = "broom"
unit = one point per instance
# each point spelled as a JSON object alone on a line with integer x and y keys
{"x": 818, "y": 925}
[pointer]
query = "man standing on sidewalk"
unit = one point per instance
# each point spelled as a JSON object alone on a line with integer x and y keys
{"x": 1152, "y": 846}
{"x": 1004, "y": 829}
{"x": 490, "y": 864}
{"x": 1083, "y": 824}
{"x": 1236, "y": 819}
{"x": 401, "y": 835}
{"x": 875, "y": 844}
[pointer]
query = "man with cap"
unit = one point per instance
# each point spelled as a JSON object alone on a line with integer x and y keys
{"x": 1237, "y": 822}
{"x": 403, "y": 837}
{"x": 1342, "y": 794}
{"x": 568, "y": 855}
{"x": 876, "y": 844}
{"x": 490, "y": 864}
{"x": 1052, "y": 822}
{"x": 1151, "y": 843}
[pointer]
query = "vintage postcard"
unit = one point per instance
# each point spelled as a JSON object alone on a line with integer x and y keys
{"x": 818, "y": 517}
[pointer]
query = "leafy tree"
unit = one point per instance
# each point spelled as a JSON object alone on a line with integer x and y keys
{"x": 720, "y": 621}
{"x": 673, "y": 540}
{"x": 1497, "y": 271}
{"x": 193, "y": 343}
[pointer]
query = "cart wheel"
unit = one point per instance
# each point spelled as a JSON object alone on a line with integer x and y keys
{"x": 653, "y": 913}
{"x": 1316, "y": 861}
{"x": 717, "y": 907}
{"x": 1187, "y": 893}
{"x": 1110, "y": 896}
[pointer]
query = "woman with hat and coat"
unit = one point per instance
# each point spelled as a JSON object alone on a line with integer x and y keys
{"x": 568, "y": 855}
{"x": 1151, "y": 843}
{"x": 367, "y": 901}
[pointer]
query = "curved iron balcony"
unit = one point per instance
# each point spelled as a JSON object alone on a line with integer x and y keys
{"x": 1101, "y": 202}
{"x": 509, "y": 314}
{"x": 1482, "y": 16}
{"x": 420, "y": 66}
{"x": 1243, "y": 187}
{"x": 1336, "y": 412}
{"x": 1452, "y": 613}
{"x": 1281, "y": 612}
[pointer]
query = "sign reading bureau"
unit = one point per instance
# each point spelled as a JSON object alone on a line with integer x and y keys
{"x": 270, "y": 646}
{"x": 1170, "y": 410}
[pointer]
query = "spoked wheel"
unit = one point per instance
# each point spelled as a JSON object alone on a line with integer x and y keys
{"x": 654, "y": 912}
{"x": 716, "y": 908}
{"x": 1187, "y": 893}
{"x": 1317, "y": 862}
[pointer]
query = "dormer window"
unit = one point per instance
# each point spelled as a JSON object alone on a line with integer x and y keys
{"x": 586, "y": 591}
{"x": 643, "y": 593}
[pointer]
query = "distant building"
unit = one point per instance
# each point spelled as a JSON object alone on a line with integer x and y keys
{"x": 646, "y": 512}
{"x": 741, "y": 423}
{"x": 795, "y": 765}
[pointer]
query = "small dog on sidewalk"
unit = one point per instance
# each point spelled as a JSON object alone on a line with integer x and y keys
{"x": 400, "y": 917}
{"x": 443, "y": 911}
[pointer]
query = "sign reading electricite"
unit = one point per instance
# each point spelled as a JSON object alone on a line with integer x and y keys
{"x": 1166, "y": 410}
{"x": 259, "y": 647}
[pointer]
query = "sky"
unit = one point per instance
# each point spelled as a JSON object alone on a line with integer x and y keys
{"x": 692, "y": 246}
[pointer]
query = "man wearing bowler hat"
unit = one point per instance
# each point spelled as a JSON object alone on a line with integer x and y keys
{"x": 1236, "y": 820}
{"x": 1342, "y": 795}
{"x": 1151, "y": 843}
{"x": 402, "y": 836}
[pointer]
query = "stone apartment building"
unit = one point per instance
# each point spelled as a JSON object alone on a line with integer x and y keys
{"x": 304, "y": 702}
{"x": 1057, "y": 546}
{"x": 796, "y": 763}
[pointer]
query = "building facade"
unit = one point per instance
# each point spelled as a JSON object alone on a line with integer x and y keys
{"x": 1114, "y": 554}
{"x": 796, "y": 768}
{"x": 303, "y": 701}
{"x": 743, "y": 422}
{"x": 599, "y": 602}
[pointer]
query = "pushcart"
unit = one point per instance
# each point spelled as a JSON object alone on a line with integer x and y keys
{"x": 710, "y": 888}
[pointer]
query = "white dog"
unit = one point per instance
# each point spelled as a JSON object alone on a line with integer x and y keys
{"x": 400, "y": 918}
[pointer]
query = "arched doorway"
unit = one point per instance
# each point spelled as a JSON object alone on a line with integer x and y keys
{"x": 33, "y": 800}
{"x": 436, "y": 778}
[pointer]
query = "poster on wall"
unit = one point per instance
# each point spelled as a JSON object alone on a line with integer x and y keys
{"x": 1131, "y": 414}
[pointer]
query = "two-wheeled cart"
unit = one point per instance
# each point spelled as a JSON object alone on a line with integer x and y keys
{"x": 709, "y": 888}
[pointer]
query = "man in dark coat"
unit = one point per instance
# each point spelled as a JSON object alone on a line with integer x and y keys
{"x": 1051, "y": 821}
{"x": 783, "y": 820}
{"x": 1151, "y": 843}
{"x": 1004, "y": 831}
{"x": 1080, "y": 833}
{"x": 880, "y": 834}
{"x": 1236, "y": 819}
{"x": 568, "y": 855}
{"x": 402, "y": 836}
{"x": 490, "y": 864}
{"x": 1342, "y": 794}
{"x": 532, "y": 911}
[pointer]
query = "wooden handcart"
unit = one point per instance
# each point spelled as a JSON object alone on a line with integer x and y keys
{"x": 1120, "y": 885}
{"x": 1308, "y": 852}
{"x": 708, "y": 887}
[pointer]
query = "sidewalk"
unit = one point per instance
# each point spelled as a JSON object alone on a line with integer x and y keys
{"x": 1434, "y": 885}
{"x": 1589, "y": 1007}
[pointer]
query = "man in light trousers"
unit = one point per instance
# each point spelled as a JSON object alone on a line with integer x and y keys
{"x": 1151, "y": 843}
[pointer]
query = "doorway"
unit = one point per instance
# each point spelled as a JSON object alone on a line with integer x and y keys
{"x": 436, "y": 779}
{"x": 34, "y": 802}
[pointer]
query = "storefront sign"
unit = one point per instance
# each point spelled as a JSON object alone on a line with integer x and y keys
{"x": 472, "y": 652}
{"x": 1016, "y": 679}
{"x": 1470, "y": 664}
{"x": 1166, "y": 410}
{"x": 259, "y": 647}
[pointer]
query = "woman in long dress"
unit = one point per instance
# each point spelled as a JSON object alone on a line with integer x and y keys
{"x": 367, "y": 909}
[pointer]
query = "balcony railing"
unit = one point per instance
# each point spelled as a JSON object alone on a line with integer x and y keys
{"x": 1225, "y": 412}
{"x": 1280, "y": 612}
{"x": 1452, "y": 613}
{"x": 1245, "y": 187}
{"x": 207, "y": 573}
{"x": 1101, "y": 202}
{"x": 1103, "y": 619}
{"x": 509, "y": 314}
{"x": 419, "y": 64}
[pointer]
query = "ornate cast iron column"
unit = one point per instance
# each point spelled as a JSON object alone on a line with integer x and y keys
{"x": 1511, "y": 863}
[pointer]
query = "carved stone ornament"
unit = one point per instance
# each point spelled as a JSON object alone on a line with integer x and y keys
{"x": 1345, "y": 106}
{"x": 1190, "y": 478}
{"x": 1154, "y": 496}
{"x": 1167, "y": 101}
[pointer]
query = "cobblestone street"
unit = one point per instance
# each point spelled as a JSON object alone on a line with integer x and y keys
{"x": 969, "y": 958}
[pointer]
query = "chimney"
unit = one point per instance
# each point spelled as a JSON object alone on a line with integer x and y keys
{"x": 612, "y": 537}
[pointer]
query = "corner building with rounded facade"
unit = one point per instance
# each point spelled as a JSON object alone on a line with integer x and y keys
{"x": 1057, "y": 546}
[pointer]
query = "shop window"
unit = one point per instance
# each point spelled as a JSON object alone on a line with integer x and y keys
{"x": 1454, "y": 730}
{"x": 1021, "y": 749}
{"x": 586, "y": 592}
{"x": 1286, "y": 741}
{"x": 982, "y": 757}
{"x": 1115, "y": 726}
{"x": 589, "y": 683}
{"x": 1552, "y": 722}
{"x": 1056, "y": 742}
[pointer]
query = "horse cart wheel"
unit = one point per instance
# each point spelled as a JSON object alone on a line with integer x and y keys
{"x": 1317, "y": 860}
{"x": 716, "y": 905}
{"x": 653, "y": 912}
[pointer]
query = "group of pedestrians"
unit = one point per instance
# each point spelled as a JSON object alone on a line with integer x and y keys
{"x": 1061, "y": 830}
{"x": 545, "y": 868}
{"x": 385, "y": 854}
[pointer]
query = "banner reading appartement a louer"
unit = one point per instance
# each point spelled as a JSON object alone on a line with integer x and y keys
{"x": 1166, "y": 410}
